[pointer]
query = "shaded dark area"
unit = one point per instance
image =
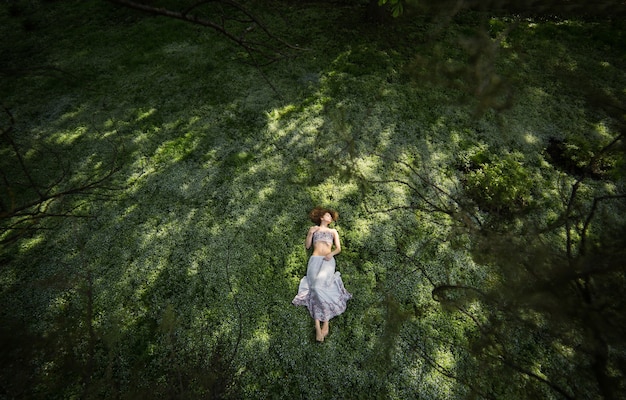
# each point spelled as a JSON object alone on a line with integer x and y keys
{"x": 34, "y": 185}
{"x": 550, "y": 9}
{"x": 575, "y": 161}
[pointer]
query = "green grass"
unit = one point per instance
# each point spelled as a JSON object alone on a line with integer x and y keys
{"x": 181, "y": 283}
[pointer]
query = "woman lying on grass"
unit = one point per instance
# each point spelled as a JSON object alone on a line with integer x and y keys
{"x": 322, "y": 290}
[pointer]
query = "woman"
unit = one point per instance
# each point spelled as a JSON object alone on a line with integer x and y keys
{"x": 322, "y": 290}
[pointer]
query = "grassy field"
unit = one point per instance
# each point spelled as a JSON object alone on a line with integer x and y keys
{"x": 174, "y": 277}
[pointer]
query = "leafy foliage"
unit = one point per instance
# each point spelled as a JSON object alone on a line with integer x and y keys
{"x": 501, "y": 185}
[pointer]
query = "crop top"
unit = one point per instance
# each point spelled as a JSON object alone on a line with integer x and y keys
{"x": 324, "y": 236}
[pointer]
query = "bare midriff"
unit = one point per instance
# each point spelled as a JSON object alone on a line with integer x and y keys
{"x": 321, "y": 248}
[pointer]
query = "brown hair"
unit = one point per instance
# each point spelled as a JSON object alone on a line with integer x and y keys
{"x": 317, "y": 213}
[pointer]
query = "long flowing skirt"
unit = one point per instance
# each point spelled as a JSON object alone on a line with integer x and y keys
{"x": 322, "y": 290}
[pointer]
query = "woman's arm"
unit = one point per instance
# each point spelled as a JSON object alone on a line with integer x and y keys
{"x": 309, "y": 236}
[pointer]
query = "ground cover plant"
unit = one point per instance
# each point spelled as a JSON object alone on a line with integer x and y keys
{"x": 156, "y": 180}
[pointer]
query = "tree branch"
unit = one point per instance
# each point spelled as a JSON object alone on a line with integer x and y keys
{"x": 269, "y": 52}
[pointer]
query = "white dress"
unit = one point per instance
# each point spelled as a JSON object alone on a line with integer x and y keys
{"x": 322, "y": 290}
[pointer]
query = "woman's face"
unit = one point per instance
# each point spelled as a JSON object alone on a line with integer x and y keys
{"x": 327, "y": 217}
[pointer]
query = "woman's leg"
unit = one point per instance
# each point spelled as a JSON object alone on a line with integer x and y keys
{"x": 319, "y": 336}
{"x": 325, "y": 328}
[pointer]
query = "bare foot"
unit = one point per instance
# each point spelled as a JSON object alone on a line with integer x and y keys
{"x": 325, "y": 328}
{"x": 319, "y": 335}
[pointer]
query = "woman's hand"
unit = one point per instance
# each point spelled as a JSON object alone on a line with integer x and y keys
{"x": 309, "y": 236}
{"x": 328, "y": 256}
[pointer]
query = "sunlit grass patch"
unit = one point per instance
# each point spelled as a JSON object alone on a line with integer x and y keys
{"x": 177, "y": 149}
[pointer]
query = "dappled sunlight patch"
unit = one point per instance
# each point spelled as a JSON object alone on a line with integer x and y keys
{"x": 531, "y": 138}
{"x": 69, "y": 137}
{"x": 368, "y": 166}
{"x": 192, "y": 269}
{"x": 444, "y": 358}
{"x": 330, "y": 193}
{"x": 176, "y": 149}
{"x": 274, "y": 116}
{"x": 566, "y": 350}
{"x": 145, "y": 114}
{"x": 604, "y": 131}
{"x": 265, "y": 193}
{"x": 259, "y": 340}
{"x": 28, "y": 244}
{"x": 295, "y": 133}
{"x": 438, "y": 385}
